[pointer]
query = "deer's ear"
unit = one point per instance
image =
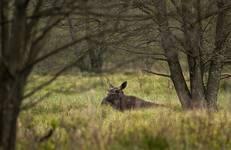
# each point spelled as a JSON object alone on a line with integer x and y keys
{"x": 110, "y": 85}
{"x": 123, "y": 85}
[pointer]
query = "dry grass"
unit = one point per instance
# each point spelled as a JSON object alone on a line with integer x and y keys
{"x": 80, "y": 123}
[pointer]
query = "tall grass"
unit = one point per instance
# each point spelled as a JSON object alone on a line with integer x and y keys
{"x": 73, "y": 110}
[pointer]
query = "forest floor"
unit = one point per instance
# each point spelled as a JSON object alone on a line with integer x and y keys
{"x": 73, "y": 110}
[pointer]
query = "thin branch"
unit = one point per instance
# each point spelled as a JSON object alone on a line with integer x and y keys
{"x": 226, "y": 8}
{"x": 54, "y": 12}
{"x": 26, "y": 3}
{"x": 56, "y": 75}
{"x": 35, "y": 102}
{"x": 156, "y": 73}
{"x": 34, "y": 52}
{"x": 225, "y": 76}
{"x": 141, "y": 53}
{"x": 122, "y": 64}
{"x": 60, "y": 49}
{"x": 32, "y": 23}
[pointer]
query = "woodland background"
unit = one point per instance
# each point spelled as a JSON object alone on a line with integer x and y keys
{"x": 59, "y": 56}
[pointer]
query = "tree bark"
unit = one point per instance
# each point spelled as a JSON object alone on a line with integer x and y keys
{"x": 178, "y": 79}
{"x": 96, "y": 58}
{"x": 167, "y": 43}
{"x": 11, "y": 90}
{"x": 216, "y": 62}
{"x": 93, "y": 62}
{"x": 12, "y": 62}
{"x": 192, "y": 38}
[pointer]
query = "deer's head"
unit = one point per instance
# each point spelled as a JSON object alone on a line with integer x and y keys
{"x": 114, "y": 95}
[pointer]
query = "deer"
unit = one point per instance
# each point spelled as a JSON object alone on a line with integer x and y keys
{"x": 120, "y": 101}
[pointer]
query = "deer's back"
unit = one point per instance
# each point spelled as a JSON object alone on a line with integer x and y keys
{"x": 132, "y": 102}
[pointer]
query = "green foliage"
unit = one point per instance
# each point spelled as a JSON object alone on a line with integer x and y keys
{"x": 73, "y": 111}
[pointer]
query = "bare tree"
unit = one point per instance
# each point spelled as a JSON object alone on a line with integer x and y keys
{"x": 199, "y": 30}
{"x": 96, "y": 21}
{"x": 25, "y": 26}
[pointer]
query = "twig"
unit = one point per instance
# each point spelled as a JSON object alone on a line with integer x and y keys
{"x": 45, "y": 137}
{"x": 155, "y": 73}
{"x": 119, "y": 65}
{"x": 226, "y": 8}
{"x": 64, "y": 47}
{"x": 225, "y": 76}
{"x": 40, "y": 87}
{"x": 33, "y": 103}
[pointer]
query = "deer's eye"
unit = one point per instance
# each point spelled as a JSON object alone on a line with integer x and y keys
{"x": 117, "y": 91}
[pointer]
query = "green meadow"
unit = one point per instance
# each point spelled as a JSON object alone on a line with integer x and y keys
{"x": 72, "y": 109}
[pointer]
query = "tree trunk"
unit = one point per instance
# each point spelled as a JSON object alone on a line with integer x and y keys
{"x": 93, "y": 62}
{"x": 12, "y": 62}
{"x": 8, "y": 122}
{"x": 11, "y": 89}
{"x": 192, "y": 40}
{"x": 167, "y": 43}
{"x": 213, "y": 83}
{"x": 96, "y": 59}
{"x": 178, "y": 80}
{"x": 216, "y": 62}
{"x": 83, "y": 63}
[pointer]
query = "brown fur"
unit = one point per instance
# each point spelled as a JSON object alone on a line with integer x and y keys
{"x": 118, "y": 100}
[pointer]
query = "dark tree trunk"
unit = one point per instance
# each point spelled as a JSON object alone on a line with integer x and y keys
{"x": 216, "y": 62}
{"x": 8, "y": 122}
{"x": 213, "y": 83}
{"x": 21, "y": 40}
{"x": 84, "y": 64}
{"x": 194, "y": 28}
{"x": 167, "y": 43}
{"x": 178, "y": 80}
{"x": 96, "y": 59}
{"x": 93, "y": 62}
{"x": 192, "y": 38}
{"x": 12, "y": 61}
{"x": 11, "y": 90}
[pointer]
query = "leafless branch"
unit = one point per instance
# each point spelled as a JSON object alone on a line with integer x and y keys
{"x": 156, "y": 73}
{"x": 60, "y": 49}
{"x": 225, "y": 76}
{"x": 141, "y": 52}
{"x": 119, "y": 65}
{"x": 34, "y": 52}
{"x": 35, "y": 102}
{"x": 226, "y": 8}
{"x": 56, "y": 75}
